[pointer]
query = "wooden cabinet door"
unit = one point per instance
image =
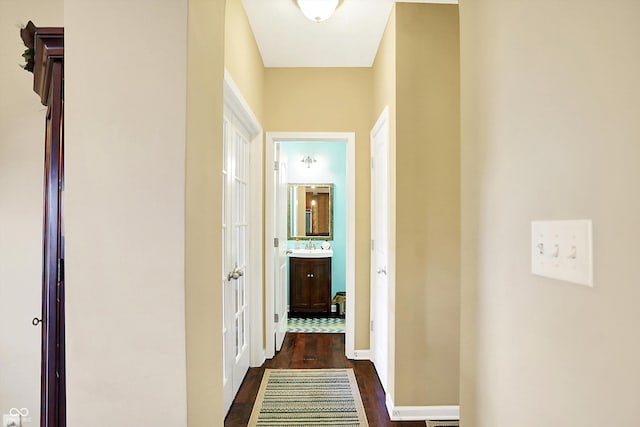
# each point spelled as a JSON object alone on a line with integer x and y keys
{"x": 319, "y": 287}
{"x": 298, "y": 272}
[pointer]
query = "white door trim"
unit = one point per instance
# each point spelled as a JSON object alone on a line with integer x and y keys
{"x": 235, "y": 102}
{"x": 382, "y": 119}
{"x": 350, "y": 139}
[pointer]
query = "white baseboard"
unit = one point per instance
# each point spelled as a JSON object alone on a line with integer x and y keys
{"x": 421, "y": 413}
{"x": 360, "y": 355}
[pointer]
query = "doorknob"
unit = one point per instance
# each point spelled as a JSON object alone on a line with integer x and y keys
{"x": 234, "y": 274}
{"x": 382, "y": 270}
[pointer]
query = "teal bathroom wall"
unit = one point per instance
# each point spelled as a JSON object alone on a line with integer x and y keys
{"x": 331, "y": 167}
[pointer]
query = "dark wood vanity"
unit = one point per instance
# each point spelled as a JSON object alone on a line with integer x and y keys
{"x": 310, "y": 285}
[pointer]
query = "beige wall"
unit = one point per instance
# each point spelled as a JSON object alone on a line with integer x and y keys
{"x": 416, "y": 74}
{"x": 427, "y": 205}
{"x": 550, "y": 130}
{"x": 203, "y": 256}
{"x": 125, "y": 106}
{"x": 331, "y": 100}
{"x": 384, "y": 95}
{"x": 384, "y": 75}
{"x": 21, "y": 173}
{"x": 242, "y": 58}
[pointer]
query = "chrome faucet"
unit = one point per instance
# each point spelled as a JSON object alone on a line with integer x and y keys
{"x": 309, "y": 245}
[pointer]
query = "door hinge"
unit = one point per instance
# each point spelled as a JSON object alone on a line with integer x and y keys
{"x": 371, "y": 326}
{"x": 276, "y": 165}
{"x": 276, "y": 242}
{"x": 276, "y": 317}
{"x": 60, "y": 270}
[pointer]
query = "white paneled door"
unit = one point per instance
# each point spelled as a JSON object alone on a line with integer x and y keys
{"x": 379, "y": 247}
{"x": 235, "y": 234}
{"x": 280, "y": 253}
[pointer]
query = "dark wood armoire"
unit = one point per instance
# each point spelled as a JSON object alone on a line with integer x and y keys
{"x": 45, "y": 59}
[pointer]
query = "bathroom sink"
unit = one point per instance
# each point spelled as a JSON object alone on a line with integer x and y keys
{"x": 310, "y": 253}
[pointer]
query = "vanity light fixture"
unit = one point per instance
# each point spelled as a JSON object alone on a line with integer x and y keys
{"x": 308, "y": 160}
{"x": 318, "y": 10}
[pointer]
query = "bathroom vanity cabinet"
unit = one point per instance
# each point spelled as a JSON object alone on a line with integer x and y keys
{"x": 310, "y": 285}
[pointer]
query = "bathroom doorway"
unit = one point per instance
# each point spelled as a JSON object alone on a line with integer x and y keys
{"x": 320, "y": 168}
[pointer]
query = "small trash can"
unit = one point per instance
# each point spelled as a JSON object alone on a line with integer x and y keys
{"x": 341, "y": 302}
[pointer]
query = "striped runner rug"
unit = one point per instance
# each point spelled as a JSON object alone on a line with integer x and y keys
{"x": 308, "y": 397}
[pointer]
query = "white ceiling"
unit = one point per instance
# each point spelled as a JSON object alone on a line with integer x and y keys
{"x": 350, "y": 38}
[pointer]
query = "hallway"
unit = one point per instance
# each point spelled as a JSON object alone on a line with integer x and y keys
{"x": 316, "y": 351}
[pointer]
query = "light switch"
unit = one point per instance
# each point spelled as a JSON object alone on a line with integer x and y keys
{"x": 562, "y": 250}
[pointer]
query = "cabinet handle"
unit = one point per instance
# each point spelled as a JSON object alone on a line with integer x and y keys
{"x": 309, "y": 274}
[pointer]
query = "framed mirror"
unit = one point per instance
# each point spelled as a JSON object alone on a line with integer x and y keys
{"x": 310, "y": 211}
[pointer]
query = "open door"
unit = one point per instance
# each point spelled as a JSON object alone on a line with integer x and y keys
{"x": 236, "y": 284}
{"x": 280, "y": 251}
{"x": 241, "y": 205}
{"x": 379, "y": 247}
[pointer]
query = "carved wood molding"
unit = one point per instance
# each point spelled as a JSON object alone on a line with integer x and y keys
{"x": 45, "y": 45}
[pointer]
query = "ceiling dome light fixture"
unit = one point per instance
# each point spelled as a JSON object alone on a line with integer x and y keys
{"x": 318, "y": 10}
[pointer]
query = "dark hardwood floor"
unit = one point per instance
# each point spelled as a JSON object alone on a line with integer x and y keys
{"x": 315, "y": 351}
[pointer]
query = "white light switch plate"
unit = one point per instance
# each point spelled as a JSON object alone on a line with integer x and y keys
{"x": 562, "y": 250}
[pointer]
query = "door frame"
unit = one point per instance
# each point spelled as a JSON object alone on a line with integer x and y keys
{"x": 236, "y": 104}
{"x": 270, "y": 233}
